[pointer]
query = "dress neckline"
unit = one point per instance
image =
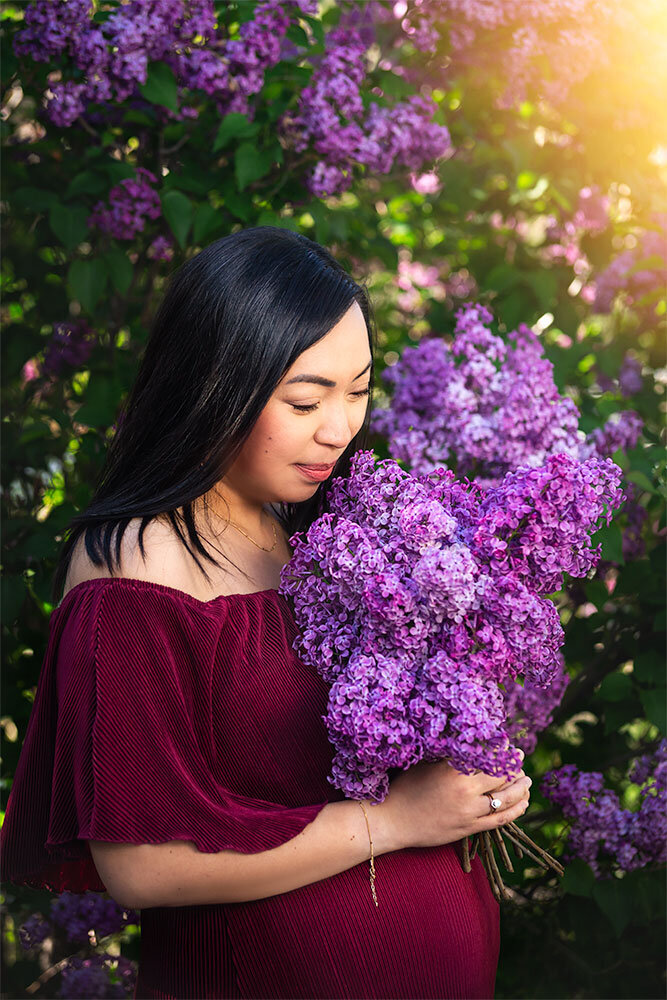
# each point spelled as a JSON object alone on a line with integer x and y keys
{"x": 134, "y": 583}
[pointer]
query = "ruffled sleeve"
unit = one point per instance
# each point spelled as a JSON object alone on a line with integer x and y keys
{"x": 116, "y": 748}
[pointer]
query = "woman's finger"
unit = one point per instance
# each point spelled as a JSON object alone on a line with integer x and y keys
{"x": 506, "y": 797}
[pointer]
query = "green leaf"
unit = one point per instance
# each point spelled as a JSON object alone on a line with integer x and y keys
{"x": 615, "y": 902}
{"x": 100, "y": 407}
{"x": 611, "y": 537}
{"x": 654, "y": 703}
{"x": 177, "y": 209}
{"x": 578, "y": 879}
{"x": 251, "y": 164}
{"x": 616, "y": 714}
{"x": 120, "y": 269}
{"x": 616, "y": 687}
{"x": 597, "y": 593}
{"x": 160, "y": 87}
{"x": 649, "y": 667}
{"x": 118, "y": 170}
{"x": 33, "y": 198}
{"x": 86, "y": 280}
{"x": 296, "y": 34}
{"x": 206, "y": 220}
{"x": 234, "y": 126}
{"x": 642, "y": 480}
{"x": 318, "y": 28}
{"x": 69, "y": 223}
{"x": 87, "y": 182}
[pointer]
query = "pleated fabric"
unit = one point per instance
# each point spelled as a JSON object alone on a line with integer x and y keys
{"x": 160, "y": 717}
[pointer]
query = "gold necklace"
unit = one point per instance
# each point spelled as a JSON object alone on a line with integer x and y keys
{"x": 262, "y": 547}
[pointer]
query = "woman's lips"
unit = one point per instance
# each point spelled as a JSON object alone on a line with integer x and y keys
{"x": 315, "y": 475}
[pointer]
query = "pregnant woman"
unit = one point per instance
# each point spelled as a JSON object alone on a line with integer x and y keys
{"x": 176, "y": 754}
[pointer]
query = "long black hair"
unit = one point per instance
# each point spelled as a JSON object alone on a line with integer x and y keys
{"x": 233, "y": 320}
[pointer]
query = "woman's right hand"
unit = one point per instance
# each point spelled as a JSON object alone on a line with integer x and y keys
{"x": 432, "y": 803}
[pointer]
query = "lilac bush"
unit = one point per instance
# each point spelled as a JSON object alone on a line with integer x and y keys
{"x": 112, "y": 57}
{"x": 603, "y": 833}
{"x": 417, "y": 598}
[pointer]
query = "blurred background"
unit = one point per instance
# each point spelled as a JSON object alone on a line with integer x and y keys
{"x": 498, "y": 152}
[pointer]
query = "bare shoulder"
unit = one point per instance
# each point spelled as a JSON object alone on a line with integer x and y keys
{"x": 165, "y": 557}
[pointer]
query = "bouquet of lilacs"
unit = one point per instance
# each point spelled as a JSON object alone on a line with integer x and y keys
{"x": 419, "y": 598}
{"x": 484, "y": 407}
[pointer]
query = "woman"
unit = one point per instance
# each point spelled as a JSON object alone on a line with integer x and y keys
{"x": 176, "y": 754}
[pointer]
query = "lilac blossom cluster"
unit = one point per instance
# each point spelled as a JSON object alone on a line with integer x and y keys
{"x": 78, "y": 913}
{"x": 417, "y": 597}
{"x": 418, "y": 285}
{"x": 89, "y": 978}
{"x": 131, "y": 202}
{"x": 529, "y": 708}
{"x": 626, "y": 273}
{"x": 331, "y": 118}
{"x": 628, "y": 380}
{"x": 84, "y": 919}
{"x": 111, "y": 57}
{"x": 479, "y": 404}
{"x": 70, "y": 346}
{"x": 486, "y": 407}
{"x": 517, "y": 39}
{"x": 622, "y": 430}
{"x": 161, "y": 248}
{"x": 602, "y": 832}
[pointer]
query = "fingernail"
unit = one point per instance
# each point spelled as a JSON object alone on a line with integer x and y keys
{"x": 529, "y": 781}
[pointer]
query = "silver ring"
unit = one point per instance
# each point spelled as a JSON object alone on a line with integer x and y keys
{"x": 494, "y": 803}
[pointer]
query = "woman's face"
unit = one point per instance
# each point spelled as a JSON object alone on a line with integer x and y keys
{"x": 305, "y": 422}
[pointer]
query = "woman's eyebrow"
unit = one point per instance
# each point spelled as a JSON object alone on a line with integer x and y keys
{"x": 320, "y": 380}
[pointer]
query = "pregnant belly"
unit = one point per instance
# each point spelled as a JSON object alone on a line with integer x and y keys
{"x": 433, "y": 934}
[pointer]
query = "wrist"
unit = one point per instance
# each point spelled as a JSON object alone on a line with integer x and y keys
{"x": 386, "y": 832}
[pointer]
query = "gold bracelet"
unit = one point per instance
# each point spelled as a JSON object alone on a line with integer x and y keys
{"x": 372, "y": 858}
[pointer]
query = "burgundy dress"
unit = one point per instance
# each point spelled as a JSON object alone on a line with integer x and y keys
{"x": 161, "y": 717}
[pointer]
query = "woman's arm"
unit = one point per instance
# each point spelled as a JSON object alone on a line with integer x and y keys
{"x": 428, "y": 805}
{"x": 138, "y": 876}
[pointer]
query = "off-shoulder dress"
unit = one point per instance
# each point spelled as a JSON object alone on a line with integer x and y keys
{"x": 161, "y": 717}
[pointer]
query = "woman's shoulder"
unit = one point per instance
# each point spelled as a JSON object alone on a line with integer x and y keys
{"x": 164, "y": 558}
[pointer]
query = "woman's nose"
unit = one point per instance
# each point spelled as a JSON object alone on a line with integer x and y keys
{"x": 336, "y": 430}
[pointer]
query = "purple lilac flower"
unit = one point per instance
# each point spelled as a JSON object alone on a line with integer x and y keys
{"x": 33, "y": 931}
{"x": 78, "y": 913}
{"x": 70, "y": 346}
{"x": 88, "y": 978}
{"x": 486, "y": 407}
{"x": 602, "y": 833}
{"x": 114, "y": 56}
{"x": 417, "y": 597}
{"x": 530, "y": 708}
{"x": 331, "y": 118}
{"x": 622, "y": 430}
{"x": 130, "y": 203}
{"x": 162, "y": 248}
{"x": 621, "y": 276}
{"x": 478, "y": 404}
{"x": 630, "y": 376}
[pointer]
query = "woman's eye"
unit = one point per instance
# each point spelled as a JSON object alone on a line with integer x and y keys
{"x": 313, "y": 406}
